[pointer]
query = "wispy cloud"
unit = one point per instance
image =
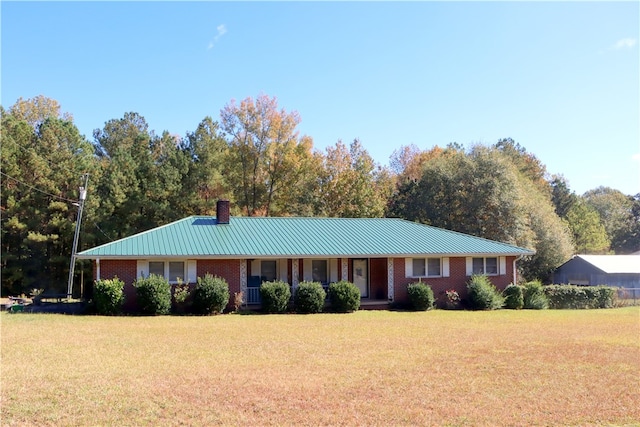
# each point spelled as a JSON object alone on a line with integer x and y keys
{"x": 221, "y": 30}
{"x": 636, "y": 157}
{"x": 627, "y": 43}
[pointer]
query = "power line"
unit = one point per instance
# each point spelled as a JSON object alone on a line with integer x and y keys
{"x": 37, "y": 189}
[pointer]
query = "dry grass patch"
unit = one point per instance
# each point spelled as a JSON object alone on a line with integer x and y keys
{"x": 365, "y": 368}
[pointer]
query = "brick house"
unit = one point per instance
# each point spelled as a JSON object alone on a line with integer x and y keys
{"x": 381, "y": 256}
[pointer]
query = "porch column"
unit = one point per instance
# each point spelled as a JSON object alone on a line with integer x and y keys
{"x": 97, "y": 268}
{"x": 345, "y": 269}
{"x": 243, "y": 280}
{"x": 390, "y": 279}
{"x": 294, "y": 273}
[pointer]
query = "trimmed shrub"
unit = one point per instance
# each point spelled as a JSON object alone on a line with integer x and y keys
{"x": 420, "y": 296}
{"x": 579, "y": 297}
{"x": 210, "y": 295}
{"x": 483, "y": 295}
{"x": 534, "y": 296}
{"x": 275, "y": 296}
{"x": 513, "y": 297}
{"x": 153, "y": 295}
{"x": 344, "y": 297}
{"x": 108, "y": 296}
{"x": 309, "y": 297}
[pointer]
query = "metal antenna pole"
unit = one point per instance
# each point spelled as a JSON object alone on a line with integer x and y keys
{"x": 72, "y": 265}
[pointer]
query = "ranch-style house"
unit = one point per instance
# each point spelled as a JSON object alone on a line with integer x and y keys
{"x": 381, "y": 256}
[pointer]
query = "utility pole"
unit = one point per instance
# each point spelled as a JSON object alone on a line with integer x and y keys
{"x": 80, "y": 204}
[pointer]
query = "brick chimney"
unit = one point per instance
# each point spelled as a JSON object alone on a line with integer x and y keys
{"x": 222, "y": 212}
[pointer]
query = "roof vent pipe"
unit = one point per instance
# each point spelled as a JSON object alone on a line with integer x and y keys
{"x": 222, "y": 212}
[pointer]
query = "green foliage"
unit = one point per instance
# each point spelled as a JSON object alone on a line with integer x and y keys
{"x": 108, "y": 296}
{"x": 498, "y": 193}
{"x": 211, "y": 295}
{"x": 589, "y": 234}
{"x": 513, "y": 297}
{"x": 344, "y": 296}
{"x": 275, "y": 296}
{"x": 482, "y": 294}
{"x": 420, "y": 296}
{"x": 534, "y": 296}
{"x": 309, "y": 297}
{"x": 620, "y": 215}
{"x": 153, "y": 295}
{"x": 580, "y": 297}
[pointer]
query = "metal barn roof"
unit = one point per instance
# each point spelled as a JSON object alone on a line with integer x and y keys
{"x": 295, "y": 237}
{"x": 610, "y": 264}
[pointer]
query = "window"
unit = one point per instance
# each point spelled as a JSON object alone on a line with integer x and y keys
{"x": 176, "y": 271}
{"x": 487, "y": 266}
{"x": 433, "y": 265}
{"x": 426, "y": 267}
{"x": 157, "y": 268}
{"x": 268, "y": 270}
{"x": 418, "y": 267}
{"x": 319, "y": 270}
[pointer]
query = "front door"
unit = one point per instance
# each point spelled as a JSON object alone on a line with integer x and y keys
{"x": 361, "y": 276}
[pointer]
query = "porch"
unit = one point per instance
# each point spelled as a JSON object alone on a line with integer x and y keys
{"x": 371, "y": 276}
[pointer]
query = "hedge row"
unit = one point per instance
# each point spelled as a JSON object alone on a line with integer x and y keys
{"x": 533, "y": 295}
{"x": 211, "y": 295}
{"x": 570, "y": 296}
{"x": 153, "y": 296}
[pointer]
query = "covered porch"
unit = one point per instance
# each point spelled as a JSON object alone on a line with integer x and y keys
{"x": 372, "y": 276}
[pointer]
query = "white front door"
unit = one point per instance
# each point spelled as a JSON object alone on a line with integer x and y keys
{"x": 361, "y": 276}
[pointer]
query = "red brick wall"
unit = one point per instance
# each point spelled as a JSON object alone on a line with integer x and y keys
{"x": 457, "y": 279}
{"x": 125, "y": 270}
{"x": 228, "y": 269}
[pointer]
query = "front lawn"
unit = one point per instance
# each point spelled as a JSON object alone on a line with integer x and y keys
{"x": 551, "y": 367}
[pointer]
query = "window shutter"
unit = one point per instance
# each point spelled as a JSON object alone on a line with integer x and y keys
{"x": 408, "y": 267}
{"x": 333, "y": 270}
{"x": 307, "y": 270}
{"x": 503, "y": 266}
{"x": 142, "y": 269}
{"x": 469, "y": 266}
{"x": 192, "y": 271}
{"x": 445, "y": 267}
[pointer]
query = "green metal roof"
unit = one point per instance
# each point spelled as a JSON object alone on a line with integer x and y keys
{"x": 294, "y": 237}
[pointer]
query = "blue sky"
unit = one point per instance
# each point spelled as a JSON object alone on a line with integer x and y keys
{"x": 560, "y": 78}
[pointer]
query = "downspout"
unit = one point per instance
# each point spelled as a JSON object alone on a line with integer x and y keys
{"x": 515, "y": 271}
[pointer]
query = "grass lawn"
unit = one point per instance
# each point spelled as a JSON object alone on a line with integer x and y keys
{"x": 552, "y": 367}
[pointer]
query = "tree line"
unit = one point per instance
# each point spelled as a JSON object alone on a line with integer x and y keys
{"x": 254, "y": 156}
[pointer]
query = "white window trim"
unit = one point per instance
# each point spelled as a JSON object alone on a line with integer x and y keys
{"x": 501, "y": 265}
{"x": 189, "y": 269}
{"x": 444, "y": 267}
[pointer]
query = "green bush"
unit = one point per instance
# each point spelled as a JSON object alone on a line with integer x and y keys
{"x": 513, "y": 297}
{"x": 421, "y": 296}
{"x": 579, "y": 297}
{"x": 344, "y": 297}
{"x": 153, "y": 295}
{"x": 605, "y": 296}
{"x": 483, "y": 295}
{"x": 275, "y": 296}
{"x": 309, "y": 297}
{"x": 108, "y": 296}
{"x": 534, "y": 296}
{"x": 210, "y": 295}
